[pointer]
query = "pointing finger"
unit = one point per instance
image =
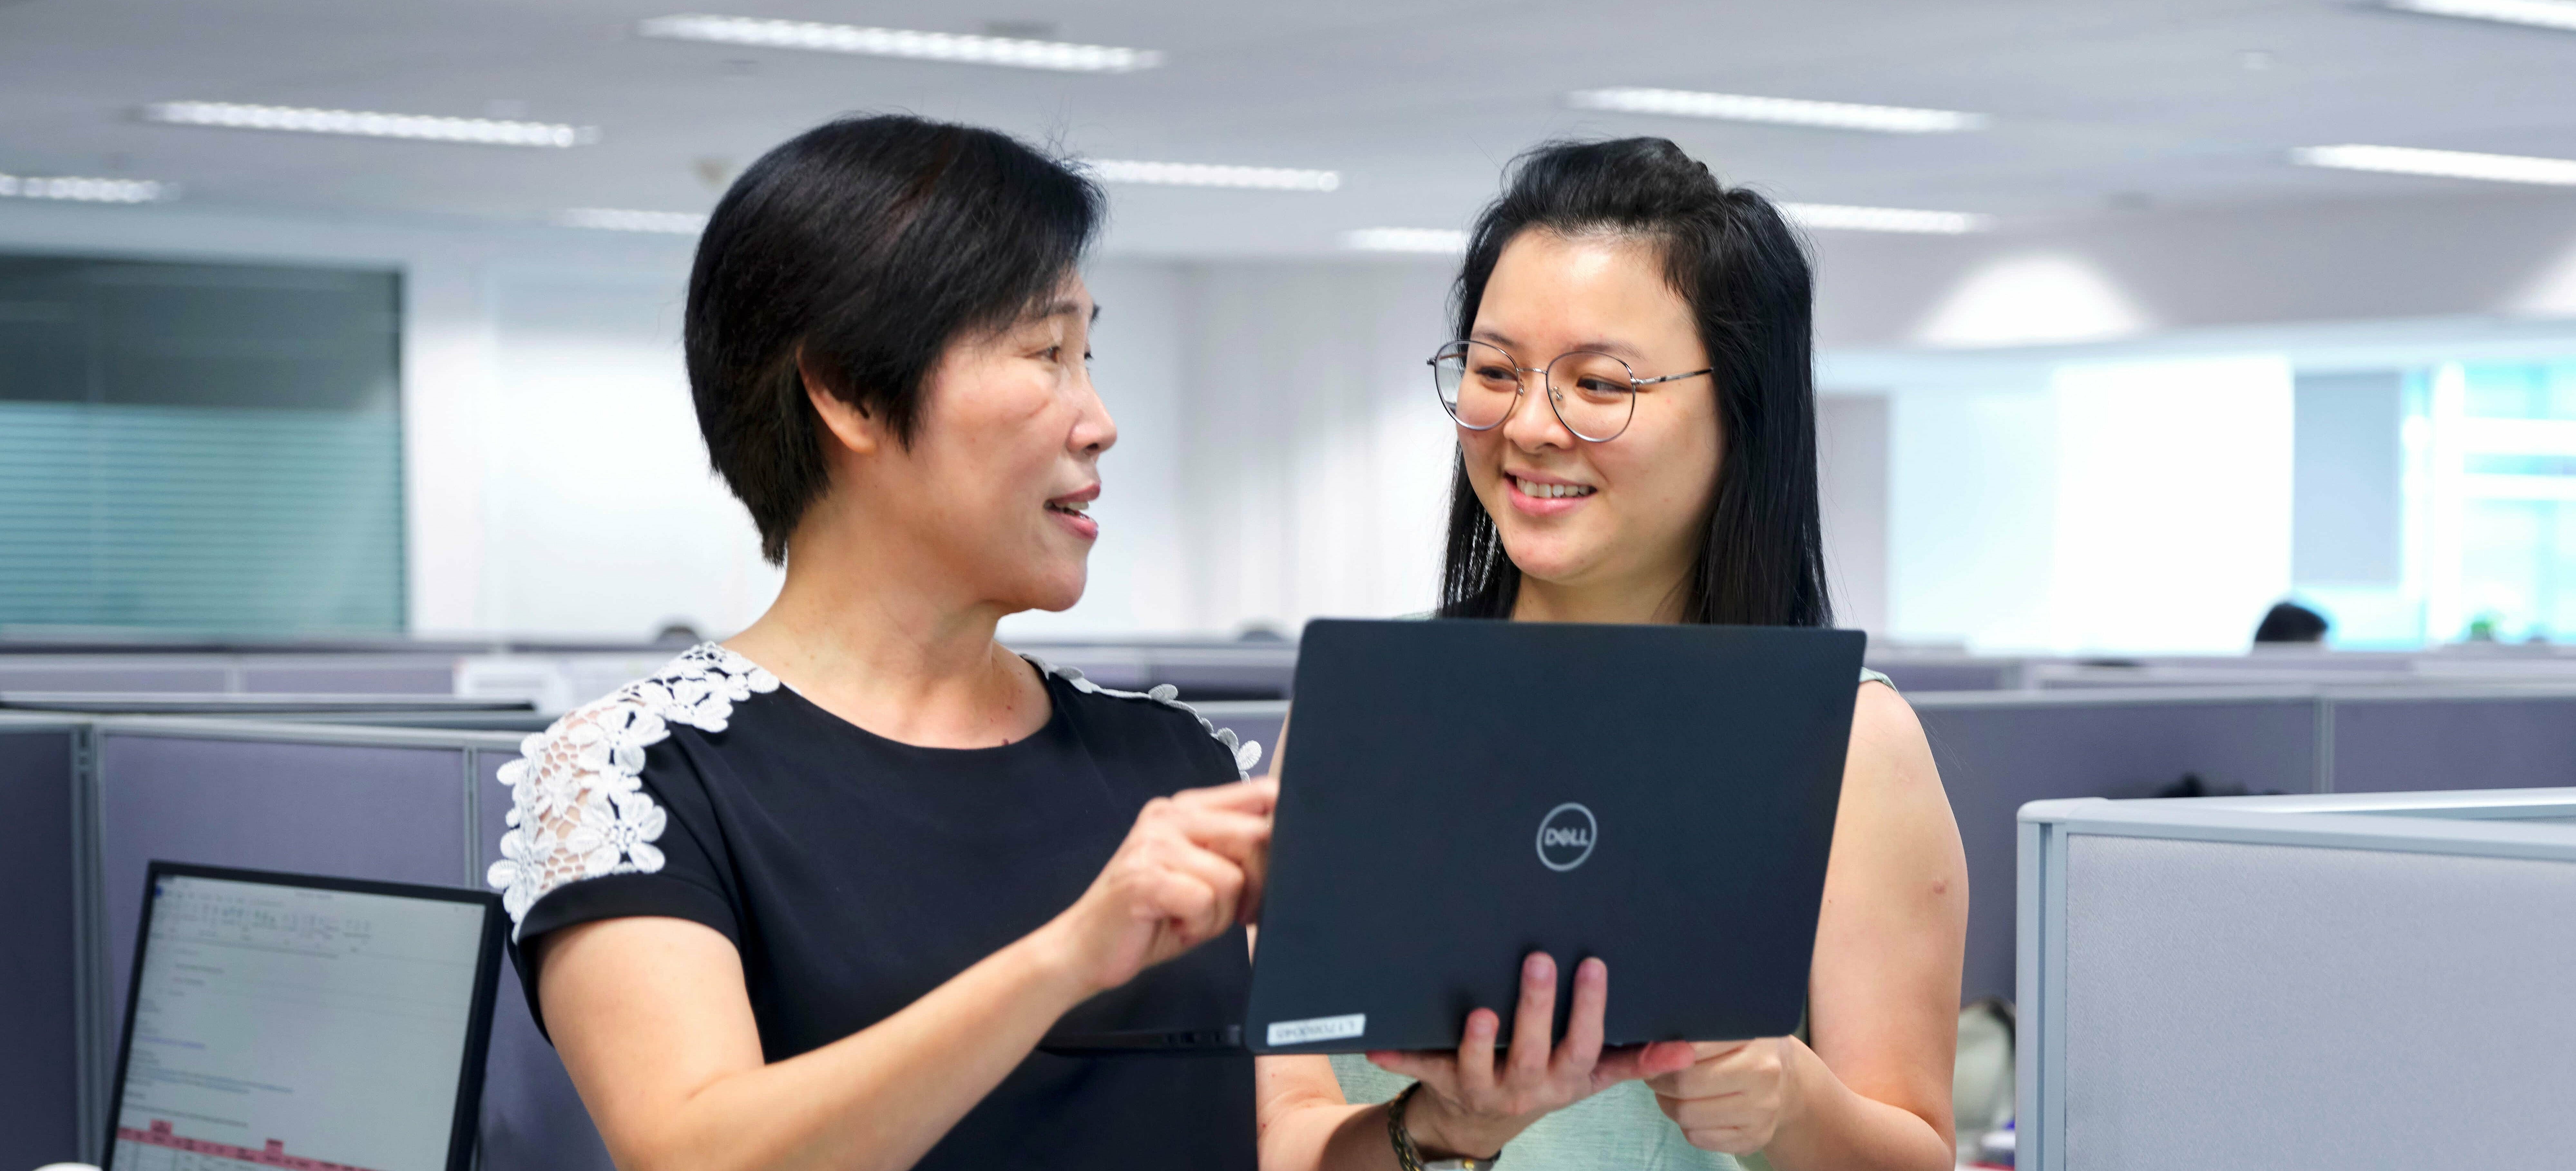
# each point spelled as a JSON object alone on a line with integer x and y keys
{"x": 1254, "y": 796}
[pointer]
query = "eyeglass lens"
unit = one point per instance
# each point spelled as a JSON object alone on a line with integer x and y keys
{"x": 1592, "y": 394}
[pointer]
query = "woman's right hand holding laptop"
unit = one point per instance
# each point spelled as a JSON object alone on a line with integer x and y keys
{"x": 1475, "y": 1100}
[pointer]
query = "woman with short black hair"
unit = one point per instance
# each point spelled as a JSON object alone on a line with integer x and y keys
{"x": 812, "y": 897}
{"x": 808, "y": 898}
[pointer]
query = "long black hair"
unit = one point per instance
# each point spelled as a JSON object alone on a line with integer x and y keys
{"x": 1745, "y": 277}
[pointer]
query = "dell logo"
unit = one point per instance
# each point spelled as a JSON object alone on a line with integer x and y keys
{"x": 1565, "y": 836}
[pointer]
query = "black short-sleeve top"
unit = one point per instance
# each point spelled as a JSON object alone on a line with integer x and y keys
{"x": 855, "y": 874}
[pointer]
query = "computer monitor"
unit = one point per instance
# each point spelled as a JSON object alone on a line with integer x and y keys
{"x": 285, "y": 1020}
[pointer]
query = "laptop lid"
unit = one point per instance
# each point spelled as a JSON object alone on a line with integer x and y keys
{"x": 1465, "y": 792}
{"x": 288, "y": 1020}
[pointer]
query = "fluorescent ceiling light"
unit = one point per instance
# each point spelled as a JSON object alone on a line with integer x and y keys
{"x": 1445, "y": 241}
{"x": 86, "y": 190}
{"x": 618, "y": 219}
{"x": 2557, "y": 14}
{"x": 1843, "y": 217}
{"x": 1682, "y": 103}
{"x": 1204, "y": 175}
{"x": 419, "y": 127}
{"x": 1015, "y": 52}
{"x": 2450, "y": 164}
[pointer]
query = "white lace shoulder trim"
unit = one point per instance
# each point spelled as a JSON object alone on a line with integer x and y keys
{"x": 577, "y": 806}
{"x": 1247, "y": 753}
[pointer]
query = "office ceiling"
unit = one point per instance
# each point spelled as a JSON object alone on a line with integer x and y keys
{"x": 2099, "y": 107}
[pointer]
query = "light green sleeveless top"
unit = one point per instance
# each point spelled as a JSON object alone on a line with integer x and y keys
{"x": 1618, "y": 1129}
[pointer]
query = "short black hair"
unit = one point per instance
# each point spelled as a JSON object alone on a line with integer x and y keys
{"x": 1744, "y": 274}
{"x": 2291, "y": 622}
{"x": 867, "y": 245}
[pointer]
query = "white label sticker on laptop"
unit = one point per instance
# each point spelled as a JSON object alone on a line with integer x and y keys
{"x": 1322, "y": 1028}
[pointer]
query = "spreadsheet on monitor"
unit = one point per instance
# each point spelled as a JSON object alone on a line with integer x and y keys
{"x": 291, "y": 1026}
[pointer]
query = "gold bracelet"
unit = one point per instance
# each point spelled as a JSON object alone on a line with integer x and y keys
{"x": 1408, "y": 1156}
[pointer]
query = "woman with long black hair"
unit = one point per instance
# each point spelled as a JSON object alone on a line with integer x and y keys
{"x": 1630, "y": 378}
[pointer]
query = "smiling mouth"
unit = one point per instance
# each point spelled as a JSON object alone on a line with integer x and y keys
{"x": 1069, "y": 507}
{"x": 1538, "y": 491}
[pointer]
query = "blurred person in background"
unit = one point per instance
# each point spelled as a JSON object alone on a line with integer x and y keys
{"x": 2293, "y": 624}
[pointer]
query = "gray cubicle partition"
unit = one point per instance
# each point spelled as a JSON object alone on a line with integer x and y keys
{"x": 2310, "y": 668}
{"x": 276, "y": 705}
{"x": 426, "y": 672}
{"x": 1913, "y": 673}
{"x": 41, "y": 969}
{"x": 20, "y": 672}
{"x": 518, "y": 722}
{"x": 133, "y": 641}
{"x": 425, "y": 805}
{"x": 374, "y": 674}
{"x": 397, "y": 804}
{"x": 2080, "y": 676}
{"x": 1203, "y": 671}
{"x": 1997, "y": 751}
{"x": 58, "y": 986}
{"x": 2455, "y": 737}
{"x": 380, "y": 804}
{"x": 359, "y": 803}
{"x": 2318, "y": 982}
{"x": 1109, "y": 665}
{"x": 1236, "y": 671}
{"x": 2292, "y": 656}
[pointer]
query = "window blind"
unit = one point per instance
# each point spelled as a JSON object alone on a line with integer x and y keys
{"x": 214, "y": 448}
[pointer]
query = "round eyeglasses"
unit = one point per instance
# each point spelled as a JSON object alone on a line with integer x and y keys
{"x": 1593, "y": 394}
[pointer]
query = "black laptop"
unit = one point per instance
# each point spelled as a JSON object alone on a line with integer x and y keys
{"x": 1461, "y": 793}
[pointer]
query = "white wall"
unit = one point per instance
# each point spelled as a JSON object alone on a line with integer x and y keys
{"x": 1317, "y": 465}
{"x": 600, "y": 515}
{"x": 1972, "y": 479}
{"x": 1279, "y": 457}
{"x": 2173, "y": 503}
{"x": 1139, "y": 581}
{"x": 2135, "y": 505}
{"x": 2489, "y": 251}
{"x": 1851, "y": 465}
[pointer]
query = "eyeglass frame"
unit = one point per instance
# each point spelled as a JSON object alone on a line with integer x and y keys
{"x": 1554, "y": 396}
